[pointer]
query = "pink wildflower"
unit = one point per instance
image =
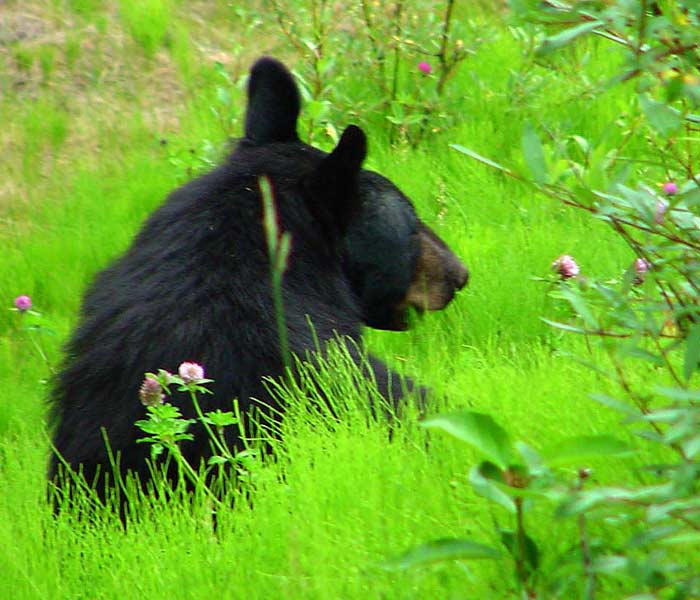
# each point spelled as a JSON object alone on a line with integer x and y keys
{"x": 670, "y": 188}
{"x": 661, "y": 208}
{"x": 150, "y": 392}
{"x": 23, "y": 303}
{"x": 566, "y": 266}
{"x": 641, "y": 266}
{"x": 424, "y": 67}
{"x": 191, "y": 372}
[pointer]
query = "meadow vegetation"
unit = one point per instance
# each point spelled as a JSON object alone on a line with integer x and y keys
{"x": 108, "y": 105}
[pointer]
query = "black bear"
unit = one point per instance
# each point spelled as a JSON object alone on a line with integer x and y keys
{"x": 195, "y": 283}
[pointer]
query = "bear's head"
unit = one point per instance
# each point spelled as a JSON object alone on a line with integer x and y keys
{"x": 393, "y": 261}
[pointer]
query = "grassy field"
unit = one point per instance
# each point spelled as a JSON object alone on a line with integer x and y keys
{"x": 106, "y": 107}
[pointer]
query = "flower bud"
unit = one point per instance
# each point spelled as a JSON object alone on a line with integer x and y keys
{"x": 641, "y": 266}
{"x": 150, "y": 392}
{"x": 670, "y": 188}
{"x": 661, "y": 208}
{"x": 191, "y": 372}
{"x": 566, "y": 266}
{"x": 23, "y": 303}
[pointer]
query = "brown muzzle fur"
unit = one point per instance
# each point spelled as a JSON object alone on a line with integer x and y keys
{"x": 439, "y": 274}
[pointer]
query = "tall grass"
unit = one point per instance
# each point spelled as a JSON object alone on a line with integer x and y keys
{"x": 87, "y": 158}
{"x": 147, "y": 22}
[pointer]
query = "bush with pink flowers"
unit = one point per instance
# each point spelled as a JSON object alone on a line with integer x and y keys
{"x": 407, "y": 53}
{"x": 641, "y": 324}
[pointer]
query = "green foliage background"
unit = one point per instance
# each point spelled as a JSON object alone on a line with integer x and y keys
{"x": 106, "y": 107}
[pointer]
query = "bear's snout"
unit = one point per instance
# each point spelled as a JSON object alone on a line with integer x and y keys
{"x": 438, "y": 276}
{"x": 457, "y": 274}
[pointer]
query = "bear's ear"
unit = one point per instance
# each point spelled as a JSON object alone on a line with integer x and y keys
{"x": 332, "y": 188}
{"x": 273, "y": 103}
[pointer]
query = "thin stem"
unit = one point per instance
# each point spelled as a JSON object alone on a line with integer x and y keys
{"x": 374, "y": 42}
{"x": 521, "y": 550}
{"x": 669, "y": 366}
{"x": 659, "y": 56}
{"x": 222, "y": 448}
{"x": 189, "y": 471}
{"x": 286, "y": 30}
{"x": 41, "y": 352}
{"x": 642, "y": 29}
{"x": 640, "y": 403}
{"x": 398, "y": 10}
{"x": 445, "y": 65}
{"x": 319, "y": 33}
{"x": 640, "y": 252}
{"x": 589, "y": 593}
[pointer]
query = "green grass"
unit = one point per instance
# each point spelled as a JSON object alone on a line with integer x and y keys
{"x": 86, "y": 163}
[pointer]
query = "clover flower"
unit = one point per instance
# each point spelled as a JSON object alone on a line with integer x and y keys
{"x": 424, "y": 67}
{"x": 661, "y": 208}
{"x": 566, "y": 266}
{"x": 669, "y": 188}
{"x": 641, "y": 266}
{"x": 191, "y": 372}
{"x": 23, "y": 303}
{"x": 151, "y": 393}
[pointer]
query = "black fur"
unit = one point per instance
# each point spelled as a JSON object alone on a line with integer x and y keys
{"x": 381, "y": 249}
{"x": 270, "y": 88}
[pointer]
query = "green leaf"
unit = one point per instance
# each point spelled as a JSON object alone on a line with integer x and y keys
{"x": 575, "y": 449}
{"x": 642, "y": 354}
{"x": 586, "y": 363}
{"x": 642, "y": 201}
{"x": 692, "y": 351}
{"x": 534, "y": 155}
{"x": 691, "y": 447}
{"x": 564, "y": 326}
{"x": 532, "y": 553}
{"x": 609, "y": 564}
{"x": 490, "y": 471}
{"x": 489, "y": 489}
{"x": 483, "y": 159}
{"x": 440, "y": 551}
{"x": 580, "y": 502}
{"x": 614, "y": 403}
{"x": 652, "y": 535}
{"x": 679, "y": 394}
{"x": 579, "y": 304}
{"x": 661, "y": 117}
{"x": 478, "y": 430}
{"x": 532, "y": 459}
{"x": 316, "y": 109}
{"x": 663, "y": 415}
{"x": 220, "y": 418}
{"x": 691, "y": 537}
{"x": 558, "y": 41}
